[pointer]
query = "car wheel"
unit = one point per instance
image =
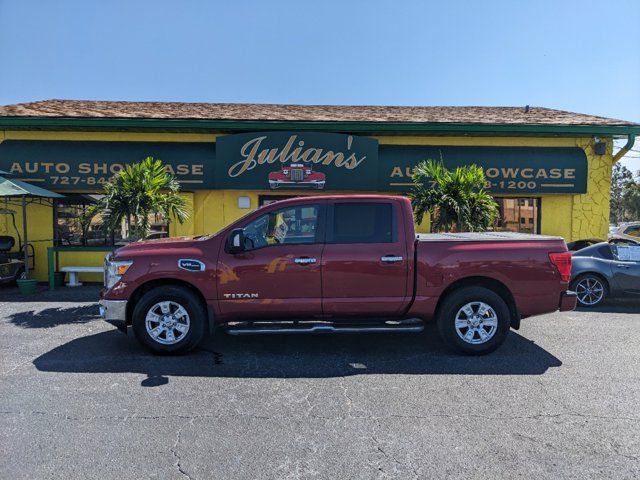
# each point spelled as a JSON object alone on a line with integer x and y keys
{"x": 591, "y": 290}
{"x": 474, "y": 320}
{"x": 169, "y": 320}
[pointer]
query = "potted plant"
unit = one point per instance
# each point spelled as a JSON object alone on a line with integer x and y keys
{"x": 27, "y": 286}
{"x": 58, "y": 279}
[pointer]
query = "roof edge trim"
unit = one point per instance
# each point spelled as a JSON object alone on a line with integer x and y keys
{"x": 364, "y": 127}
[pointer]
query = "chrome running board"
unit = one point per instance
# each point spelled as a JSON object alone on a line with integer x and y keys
{"x": 262, "y": 327}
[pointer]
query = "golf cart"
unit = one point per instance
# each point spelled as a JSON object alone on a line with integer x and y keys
{"x": 12, "y": 262}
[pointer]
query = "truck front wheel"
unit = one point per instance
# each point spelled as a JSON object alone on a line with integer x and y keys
{"x": 169, "y": 320}
{"x": 473, "y": 320}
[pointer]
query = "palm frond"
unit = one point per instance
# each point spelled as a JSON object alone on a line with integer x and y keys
{"x": 454, "y": 198}
{"x": 137, "y": 192}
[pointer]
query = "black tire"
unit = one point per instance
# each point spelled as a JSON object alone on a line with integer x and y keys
{"x": 590, "y": 279}
{"x": 180, "y": 296}
{"x": 452, "y": 305}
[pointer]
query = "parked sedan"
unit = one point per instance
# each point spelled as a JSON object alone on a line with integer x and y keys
{"x": 599, "y": 272}
{"x": 626, "y": 231}
{"x": 587, "y": 242}
{"x": 580, "y": 244}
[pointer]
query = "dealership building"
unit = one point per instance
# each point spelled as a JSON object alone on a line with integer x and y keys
{"x": 549, "y": 170}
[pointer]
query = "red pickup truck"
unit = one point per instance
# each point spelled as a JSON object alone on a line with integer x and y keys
{"x": 334, "y": 264}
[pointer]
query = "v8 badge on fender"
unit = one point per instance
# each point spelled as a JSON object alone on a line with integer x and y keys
{"x": 191, "y": 265}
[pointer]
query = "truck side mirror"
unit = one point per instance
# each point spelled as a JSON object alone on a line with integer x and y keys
{"x": 237, "y": 241}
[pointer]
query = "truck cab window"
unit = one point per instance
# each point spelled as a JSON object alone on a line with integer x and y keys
{"x": 293, "y": 225}
{"x": 363, "y": 223}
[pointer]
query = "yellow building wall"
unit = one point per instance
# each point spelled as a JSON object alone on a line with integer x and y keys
{"x": 570, "y": 216}
{"x": 555, "y": 216}
{"x": 590, "y": 211}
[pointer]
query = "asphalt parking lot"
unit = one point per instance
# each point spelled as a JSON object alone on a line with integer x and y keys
{"x": 560, "y": 399}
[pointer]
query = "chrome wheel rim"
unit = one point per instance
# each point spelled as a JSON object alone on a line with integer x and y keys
{"x": 167, "y": 322}
{"x": 476, "y": 323}
{"x": 590, "y": 291}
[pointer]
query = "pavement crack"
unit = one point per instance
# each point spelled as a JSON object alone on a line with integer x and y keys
{"x": 349, "y": 402}
{"x": 310, "y": 406}
{"x": 174, "y": 450}
{"x": 321, "y": 417}
{"x": 616, "y": 450}
{"x": 388, "y": 456}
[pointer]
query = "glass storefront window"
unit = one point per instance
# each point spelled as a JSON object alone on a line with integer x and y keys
{"x": 68, "y": 229}
{"x": 518, "y": 215}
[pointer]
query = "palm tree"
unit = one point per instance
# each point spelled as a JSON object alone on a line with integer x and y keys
{"x": 137, "y": 192}
{"x": 454, "y": 198}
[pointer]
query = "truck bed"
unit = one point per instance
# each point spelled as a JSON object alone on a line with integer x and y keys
{"x": 483, "y": 237}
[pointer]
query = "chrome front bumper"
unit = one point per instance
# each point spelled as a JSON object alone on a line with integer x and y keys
{"x": 281, "y": 183}
{"x": 114, "y": 312}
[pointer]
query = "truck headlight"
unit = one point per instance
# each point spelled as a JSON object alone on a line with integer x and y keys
{"x": 113, "y": 271}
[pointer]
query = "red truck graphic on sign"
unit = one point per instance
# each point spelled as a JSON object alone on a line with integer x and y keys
{"x": 297, "y": 175}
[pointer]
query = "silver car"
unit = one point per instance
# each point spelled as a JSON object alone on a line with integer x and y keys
{"x": 625, "y": 231}
{"x": 597, "y": 272}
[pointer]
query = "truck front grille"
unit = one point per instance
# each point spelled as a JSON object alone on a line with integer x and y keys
{"x": 297, "y": 175}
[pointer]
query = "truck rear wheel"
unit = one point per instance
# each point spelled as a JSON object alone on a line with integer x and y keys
{"x": 473, "y": 320}
{"x": 169, "y": 320}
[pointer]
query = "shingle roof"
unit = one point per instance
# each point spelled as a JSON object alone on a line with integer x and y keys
{"x": 312, "y": 113}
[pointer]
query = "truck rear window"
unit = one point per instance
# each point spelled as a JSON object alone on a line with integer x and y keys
{"x": 363, "y": 223}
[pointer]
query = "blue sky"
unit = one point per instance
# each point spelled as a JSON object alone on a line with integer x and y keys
{"x": 580, "y": 55}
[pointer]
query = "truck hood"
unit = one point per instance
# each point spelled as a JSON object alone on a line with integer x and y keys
{"x": 160, "y": 246}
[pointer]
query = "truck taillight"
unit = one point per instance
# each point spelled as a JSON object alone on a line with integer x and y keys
{"x": 562, "y": 262}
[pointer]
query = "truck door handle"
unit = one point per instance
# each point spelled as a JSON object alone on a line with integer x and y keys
{"x": 391, "y": 258}
{"x": 304, "y": 260}
{"x": 623, "y": 266}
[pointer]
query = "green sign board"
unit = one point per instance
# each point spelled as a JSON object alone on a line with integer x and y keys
{"x": 326, "y": 161}
{"x": 508, "y": 169}
{"x": 292, "y": 161}
{"x": 296, "y": 161}
{"x": 70, "y": 165}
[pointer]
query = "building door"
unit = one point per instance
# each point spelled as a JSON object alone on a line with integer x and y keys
{"x": 278, "y": 276}
{"x": 365, "y": 264}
